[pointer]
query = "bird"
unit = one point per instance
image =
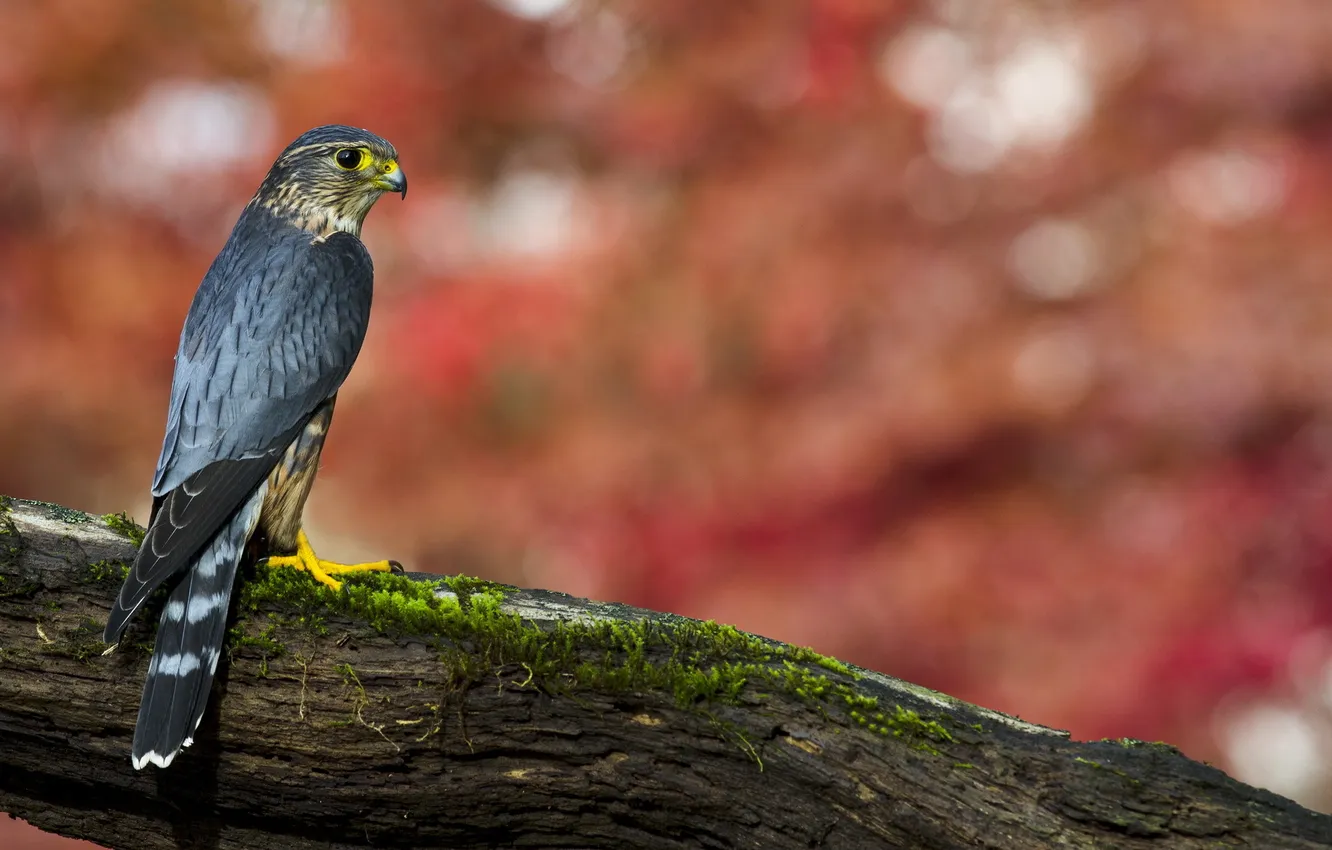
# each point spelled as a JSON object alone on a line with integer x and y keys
{"x": 272, "y": 332}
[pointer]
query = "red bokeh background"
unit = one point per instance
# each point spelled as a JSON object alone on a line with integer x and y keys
{"x": 985, "y": 344}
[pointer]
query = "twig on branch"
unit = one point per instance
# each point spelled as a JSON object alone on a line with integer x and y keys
{"x": 408, "y": 713}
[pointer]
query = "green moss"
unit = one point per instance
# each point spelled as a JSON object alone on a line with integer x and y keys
{"x": 81, "y": 643}
{"x": 963, "y": 765}
{"x": 804, "y": 683}
{"x": 11, "y": 545}
{"x": 62, "y": 513}
{"x": 14, "y": 589}
{"x": 109, "y": 571}
{"x": 465, "y": 586}
{"x": 904, "y": 723}
{"x": 1134, "y": 743}
{"x": 700, "y": 664}
{"x": 1116, "y": 771}
{"x": 126, "y": 527}
{"x": 805, "y": 655}
{"x": 264, "y": 641}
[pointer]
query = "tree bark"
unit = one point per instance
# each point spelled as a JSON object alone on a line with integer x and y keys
{"x": 330, "y": 728}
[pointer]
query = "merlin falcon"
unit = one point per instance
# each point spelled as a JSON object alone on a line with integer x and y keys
{"x": 270, "y": 336}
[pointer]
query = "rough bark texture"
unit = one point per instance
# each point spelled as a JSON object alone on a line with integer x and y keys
{"x": 344, "y": 735}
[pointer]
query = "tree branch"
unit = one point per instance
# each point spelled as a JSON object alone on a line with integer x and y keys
{"x": 405, "y": 714}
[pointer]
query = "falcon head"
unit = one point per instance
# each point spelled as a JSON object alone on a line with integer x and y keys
{"x": 330, "y": 177}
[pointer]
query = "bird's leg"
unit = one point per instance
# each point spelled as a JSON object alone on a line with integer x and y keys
{"x": 305, "y": 559}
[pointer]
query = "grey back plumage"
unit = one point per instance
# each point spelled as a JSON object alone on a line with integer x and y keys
{"x": 272, "y": 333}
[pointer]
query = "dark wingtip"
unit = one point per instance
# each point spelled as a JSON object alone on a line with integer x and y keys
{"x": 115, "y": 625}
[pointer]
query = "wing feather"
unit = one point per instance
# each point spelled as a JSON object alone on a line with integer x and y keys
{"x": 272, "y": 332}
{"x": 187, "y": 518}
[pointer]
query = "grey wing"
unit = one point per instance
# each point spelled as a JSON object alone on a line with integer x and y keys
{"x": 262, "y": 347}
{"x": 265, "y": 353}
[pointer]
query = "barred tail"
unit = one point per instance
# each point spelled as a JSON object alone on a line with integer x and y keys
{"x": 189, "y": 641}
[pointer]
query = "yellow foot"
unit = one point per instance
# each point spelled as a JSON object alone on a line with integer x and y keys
{"x": 323, "y": 571}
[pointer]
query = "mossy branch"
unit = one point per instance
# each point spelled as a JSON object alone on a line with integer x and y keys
{"x": 411, "y": 712}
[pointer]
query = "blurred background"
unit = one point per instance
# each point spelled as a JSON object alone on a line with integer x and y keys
{"x": 988, "y": 345}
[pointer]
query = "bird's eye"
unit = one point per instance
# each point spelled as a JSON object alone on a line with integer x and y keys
{"x": 350, "y": 159}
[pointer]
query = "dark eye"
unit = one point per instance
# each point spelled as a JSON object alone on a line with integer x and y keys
{"x": 349, "y": 158}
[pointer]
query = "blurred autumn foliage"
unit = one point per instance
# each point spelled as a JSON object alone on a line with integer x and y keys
{"x": 985, "y": 344}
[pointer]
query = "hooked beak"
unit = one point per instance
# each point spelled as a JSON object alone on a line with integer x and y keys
{"x": 391, "y": 178}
